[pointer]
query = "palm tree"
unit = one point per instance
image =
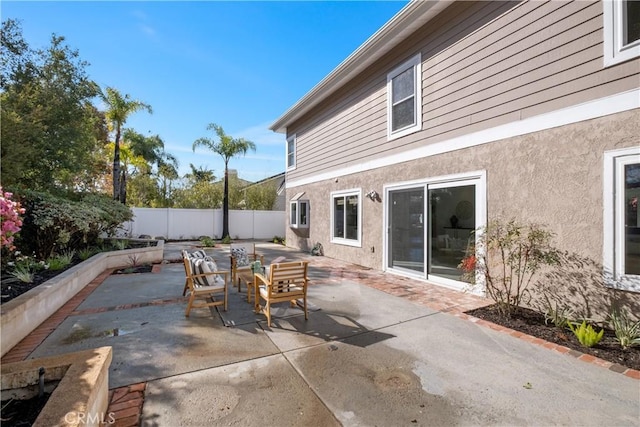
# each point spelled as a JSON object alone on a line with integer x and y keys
{"x": 227, "y": 147}
{"x": 118, "y": 110}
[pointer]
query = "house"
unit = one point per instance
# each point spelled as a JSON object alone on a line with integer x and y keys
{"x": 458, "y": 112}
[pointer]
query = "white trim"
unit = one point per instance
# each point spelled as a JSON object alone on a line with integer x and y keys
{"x": 416, "y": 63}
{"x": 476, "y": 178}
{"x": 589, "y": 110}
{"x": 613, "y": 224}
{"x": 345, "y": 241}
{"x": 295, "y": 153}
{"x": 614, "y": 26}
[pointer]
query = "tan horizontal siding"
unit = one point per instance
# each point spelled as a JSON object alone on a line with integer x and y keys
{"x": 484, "y": 64}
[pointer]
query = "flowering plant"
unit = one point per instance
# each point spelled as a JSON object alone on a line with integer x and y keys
{"x": 10, "y": 212}
{"x": 468, "y": 267}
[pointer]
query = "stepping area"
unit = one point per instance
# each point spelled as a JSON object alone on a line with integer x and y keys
{"x": 377, "y": 349}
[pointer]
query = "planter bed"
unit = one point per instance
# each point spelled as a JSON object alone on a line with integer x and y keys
{"x": 23, "y": 314}
{"x": 81, "y": 396}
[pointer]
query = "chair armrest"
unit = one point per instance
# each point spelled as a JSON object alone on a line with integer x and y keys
{"x": 259, "y": 276}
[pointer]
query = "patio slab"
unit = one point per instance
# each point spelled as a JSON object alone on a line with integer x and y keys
{"x": 158, "y": 341}
{"x": 364, "y": 357}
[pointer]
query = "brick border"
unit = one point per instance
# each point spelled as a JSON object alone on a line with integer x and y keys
{"x": 125, "y": 405}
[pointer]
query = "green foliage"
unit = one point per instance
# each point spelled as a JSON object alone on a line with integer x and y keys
{"x": 120, "y": 244}
{"x": 585, "y": 333}
{"x": 207, "y": 242}
{"x": 226, "y": 240}
{"x": 86, "y": 253}
{"x": 53, "y": 223}
{"x": 51, "y": 133}
{"x": 199, "y": 195}
{"x": 509, "y": 254}
{"x": 278, "y": 239}
{"x": 627, "y": 331}
{"x": 23, "y": 273}
{"x": 227, "y": 147}
{"x": 261, "y": 196}
{"x": 119, "y": 108}
{"x": 59, "y": 262}
{"x": 556, "y": 314}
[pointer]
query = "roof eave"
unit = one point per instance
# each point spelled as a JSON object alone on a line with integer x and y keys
{"x": 411, "y": 17}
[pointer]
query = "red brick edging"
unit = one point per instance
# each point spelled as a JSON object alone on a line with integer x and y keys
{"x": 125, "y": 405}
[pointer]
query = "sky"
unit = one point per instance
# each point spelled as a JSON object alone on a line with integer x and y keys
{"x": 238, "y": 64}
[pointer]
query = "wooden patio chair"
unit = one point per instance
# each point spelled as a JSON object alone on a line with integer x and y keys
{"x": 286, "y": 281}
{"x": 205, "y": 281}
{"x": 241, "y": 256}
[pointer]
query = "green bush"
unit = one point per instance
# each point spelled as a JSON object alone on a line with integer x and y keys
{"x": 56, "y": 223}
{"x": 207, "y": 241}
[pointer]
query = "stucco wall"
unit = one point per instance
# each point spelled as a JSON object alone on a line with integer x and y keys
{"x": 553, "y": 177}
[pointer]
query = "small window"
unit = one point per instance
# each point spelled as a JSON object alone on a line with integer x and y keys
{"x": 291, "y": 152}
{"x": 298, "y": 212}
{"x": 346, "y": 217}
{"x": 621, "y": 31}
{"x": 622, "y": 219}
{"x": 404, "y": 99}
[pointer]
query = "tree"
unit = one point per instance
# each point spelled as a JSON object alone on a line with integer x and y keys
{"x": 227, "y": 147}
{"x": 119, "y": 108}
{"x": 51, "y": 133}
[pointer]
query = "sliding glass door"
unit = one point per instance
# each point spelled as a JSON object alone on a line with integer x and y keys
{"x": 430, "y": 228}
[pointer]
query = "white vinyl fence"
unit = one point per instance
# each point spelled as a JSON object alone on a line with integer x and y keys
{"x": 183, "y": 224}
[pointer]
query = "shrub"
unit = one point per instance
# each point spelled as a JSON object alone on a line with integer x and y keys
{"x": 23, "y": 273}
{"x": 86, "y": 253}
{"x": 556, "y": 314}
{"x": 61, "y": 261}
{"x": 226, "y": 240}
{"x": 55, "y": 223}
{"x": 627, "y": 331}
{"x": 207, "y": 241}
{"x": 585, "y": 333}
{"x": 509, "y": 254}
{"x": 10, "y": 220}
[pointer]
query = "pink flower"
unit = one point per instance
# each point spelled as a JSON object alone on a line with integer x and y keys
{"x": 10, "y": 219}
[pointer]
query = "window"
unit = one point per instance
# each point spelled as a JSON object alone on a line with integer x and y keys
{"x": 291, "y": 152}
{"x": 404, "y": 99}
{"x": 621, "y": 31}
{"x": 622, "y": 219}
{"x": 346, "y": 217}
{"x": 298, "y": 212}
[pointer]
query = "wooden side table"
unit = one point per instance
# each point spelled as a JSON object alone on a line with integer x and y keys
{"x": 246, "y": 277}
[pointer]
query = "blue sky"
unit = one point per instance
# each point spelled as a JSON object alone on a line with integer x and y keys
{"x": 238, "y": 64}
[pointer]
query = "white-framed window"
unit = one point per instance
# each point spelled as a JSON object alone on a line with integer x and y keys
{"x": 621, "y": 30}
{"x": 404, "y": 98}
{"x": 621, "y": 252}
{"x": 298, "y": 212}
{"x": 291, "y": 152}
{"x": 346, "y": 217}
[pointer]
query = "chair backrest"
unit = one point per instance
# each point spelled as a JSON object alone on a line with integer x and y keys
{"x": 286, "y": 275}
{"x": 249, "y": 247}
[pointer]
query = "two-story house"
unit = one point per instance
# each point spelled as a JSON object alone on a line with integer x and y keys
{"x": 458, "y": 112}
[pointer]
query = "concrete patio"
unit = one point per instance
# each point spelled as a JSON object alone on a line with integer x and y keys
{"x": 377, "y": 350}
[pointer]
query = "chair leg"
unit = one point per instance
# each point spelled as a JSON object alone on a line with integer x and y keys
{"x": 186, "y": 286}
{"x": 268, "y": 312}
{"x": 191, "y": 298}
{"x": 306, "y": 314}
